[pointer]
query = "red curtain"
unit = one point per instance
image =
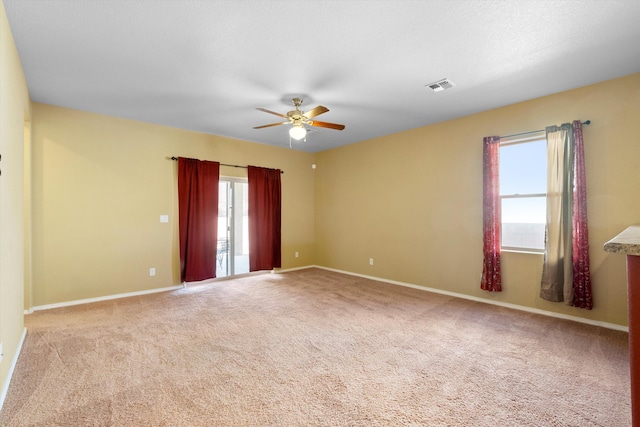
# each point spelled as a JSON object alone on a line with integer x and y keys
{"x": 491, "y": 210}
{"x": 264, "y": 218}
{"x": 198, "y": 218}
{"x": 582, "y": 297}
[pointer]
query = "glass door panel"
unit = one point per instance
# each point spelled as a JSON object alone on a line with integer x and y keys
{"x": 232, "y": 256}
{"x": 240, "y": 228}
{"x": 223, "y": 266}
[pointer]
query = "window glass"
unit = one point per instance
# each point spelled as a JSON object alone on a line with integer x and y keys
{"x": 523, "y": 221}
{"x": 523, "y": 168}
{"x": 523, "y": 183}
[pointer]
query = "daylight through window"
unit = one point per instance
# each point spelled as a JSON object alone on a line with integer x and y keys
{"x": 523, "y": 186}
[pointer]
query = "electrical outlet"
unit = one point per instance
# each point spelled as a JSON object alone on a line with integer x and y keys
{"x": 297, "y": 254}
{"x": 152, "y": 271}
{"x": 370, "y": 261}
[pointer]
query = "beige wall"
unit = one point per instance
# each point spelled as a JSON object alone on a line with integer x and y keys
{"x": 413, "y": 200}
{"x": 14, "y": 119}
{"x": 100, "y": 185}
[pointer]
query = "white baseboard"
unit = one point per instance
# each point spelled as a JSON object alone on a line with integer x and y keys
{"x": 5, "y": 387}
{"x": 498, "y": 303}
{"x": 151, "y": 291}
{"x": 104, "y": 298}
{"x": 293, "y": 269}
{"x": 378, "y": 279}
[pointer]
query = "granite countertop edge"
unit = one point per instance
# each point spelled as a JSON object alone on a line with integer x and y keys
{"x": 627, "y": 242}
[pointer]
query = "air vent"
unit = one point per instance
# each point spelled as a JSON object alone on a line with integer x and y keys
{"x": 441, "y": 85}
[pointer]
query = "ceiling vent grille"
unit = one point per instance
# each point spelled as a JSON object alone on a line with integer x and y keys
{"x": 441, "y": 85}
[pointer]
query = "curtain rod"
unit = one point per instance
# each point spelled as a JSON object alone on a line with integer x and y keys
{"x": 588, "y": 122}
{"x": 221, "y": 164}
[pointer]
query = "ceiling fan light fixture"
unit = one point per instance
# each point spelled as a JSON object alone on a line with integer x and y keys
{"x": 297, "y": 132}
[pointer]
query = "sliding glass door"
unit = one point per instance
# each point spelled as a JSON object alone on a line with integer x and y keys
{"x": 232, "y": 257}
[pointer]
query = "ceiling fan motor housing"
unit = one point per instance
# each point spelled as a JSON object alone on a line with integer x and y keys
{"x": 295, "y": 115}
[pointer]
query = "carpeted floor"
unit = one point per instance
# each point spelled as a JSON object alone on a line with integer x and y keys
{"x": 314, "y": 348}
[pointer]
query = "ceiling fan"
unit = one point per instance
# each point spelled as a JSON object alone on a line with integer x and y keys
{"x": 298, "y": 119}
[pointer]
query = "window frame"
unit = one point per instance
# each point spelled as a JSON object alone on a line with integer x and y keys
{"x": 517, "y": 140}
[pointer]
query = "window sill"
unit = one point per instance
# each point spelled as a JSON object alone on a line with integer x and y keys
{"x": 523, "y": 251}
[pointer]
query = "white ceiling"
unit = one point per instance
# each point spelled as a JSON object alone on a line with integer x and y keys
{"x": 207, "y": 65}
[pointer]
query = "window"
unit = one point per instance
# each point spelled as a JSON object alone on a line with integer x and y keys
{"x": 523, "y": 187}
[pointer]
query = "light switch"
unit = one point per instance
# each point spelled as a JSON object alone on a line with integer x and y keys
{"x": 164, "y": 218}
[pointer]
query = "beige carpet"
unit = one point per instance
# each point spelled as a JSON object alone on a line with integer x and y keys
{"x": 314, "y": 348}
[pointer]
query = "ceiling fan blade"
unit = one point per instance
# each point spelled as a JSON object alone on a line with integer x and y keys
{"x": 316, "y": 111}
{"x": 272, "y": 112}
{"x": 326, "y": 125}
{"x": 269, "y": 125}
